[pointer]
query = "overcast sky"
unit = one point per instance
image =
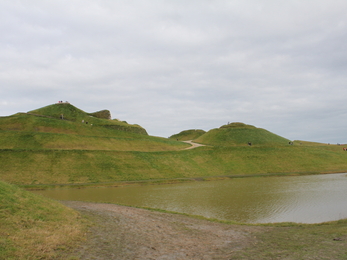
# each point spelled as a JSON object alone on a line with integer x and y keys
{"x": 177, "y": 65}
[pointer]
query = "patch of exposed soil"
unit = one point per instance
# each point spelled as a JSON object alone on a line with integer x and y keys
{"x": 193, "y": 145}
{"x": 123, "y": 232}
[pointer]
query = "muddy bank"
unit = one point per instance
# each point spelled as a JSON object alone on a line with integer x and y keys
{"x": 121, "y": 232}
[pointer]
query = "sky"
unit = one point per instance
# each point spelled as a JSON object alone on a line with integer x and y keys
{"x": 177, "y": 65}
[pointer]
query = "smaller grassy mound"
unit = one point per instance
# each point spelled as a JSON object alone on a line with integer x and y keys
{"x": 188, "y": 135}
{"x": 33, "y": 227}
{"x": 238, "y": 125}
{"x": 236, "y": 134}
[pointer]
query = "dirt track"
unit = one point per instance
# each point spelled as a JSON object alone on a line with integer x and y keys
{"x": 193, "y": 145}
{"x": 123, "y": 232}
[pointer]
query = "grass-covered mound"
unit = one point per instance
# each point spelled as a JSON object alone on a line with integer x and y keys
{"x": 240, "y": 134}
{"x": 188, "y": 135}
{"x": 44, "y": 129}
{"x": 42, "y": 148}
{"x": 66, "y": 111}
{"x": 33, "y": 227}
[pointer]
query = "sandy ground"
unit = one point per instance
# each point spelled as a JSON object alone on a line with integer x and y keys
{"x": 193, "y": 145}
{"x": 121, "y": 232}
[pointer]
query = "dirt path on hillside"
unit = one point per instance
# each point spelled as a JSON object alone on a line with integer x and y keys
{"x": 121, "y": 232}
{"x": 193, "y": 145}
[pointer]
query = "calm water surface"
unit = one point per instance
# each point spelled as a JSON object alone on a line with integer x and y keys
{"x": 305, "y": 199}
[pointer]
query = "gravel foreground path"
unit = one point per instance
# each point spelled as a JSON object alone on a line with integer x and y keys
{"x": 121, "y": 232}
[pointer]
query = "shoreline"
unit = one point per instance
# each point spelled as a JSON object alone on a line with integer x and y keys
{"x": 166, "y": 181}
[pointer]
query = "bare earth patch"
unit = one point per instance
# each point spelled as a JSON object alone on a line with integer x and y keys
{"x": 193, "y": 145}
{"x": 123, "y": 232}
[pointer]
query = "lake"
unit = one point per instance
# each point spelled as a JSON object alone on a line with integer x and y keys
{"x": 301, "y": 199}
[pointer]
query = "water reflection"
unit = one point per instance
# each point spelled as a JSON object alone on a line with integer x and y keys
{"x": 306, "y": 199}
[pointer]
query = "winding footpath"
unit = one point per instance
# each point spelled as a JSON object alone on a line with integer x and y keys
{"x": 193, "y": 145}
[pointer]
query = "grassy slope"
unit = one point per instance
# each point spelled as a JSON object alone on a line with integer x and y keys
{"x": 33, "y": 227}
{"x": 83, "y": 166}
{"x": 119, "y": 142}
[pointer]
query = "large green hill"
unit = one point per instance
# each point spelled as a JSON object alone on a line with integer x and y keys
{"x": 63, "y": 126}
{"x": 55, "y": 145}
{"x": 68, "y": 112}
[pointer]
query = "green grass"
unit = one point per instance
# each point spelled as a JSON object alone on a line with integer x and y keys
{"x": 25, "y": 166}
{"x": 119, "y": 141}
{"x": 33, "y": 227}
